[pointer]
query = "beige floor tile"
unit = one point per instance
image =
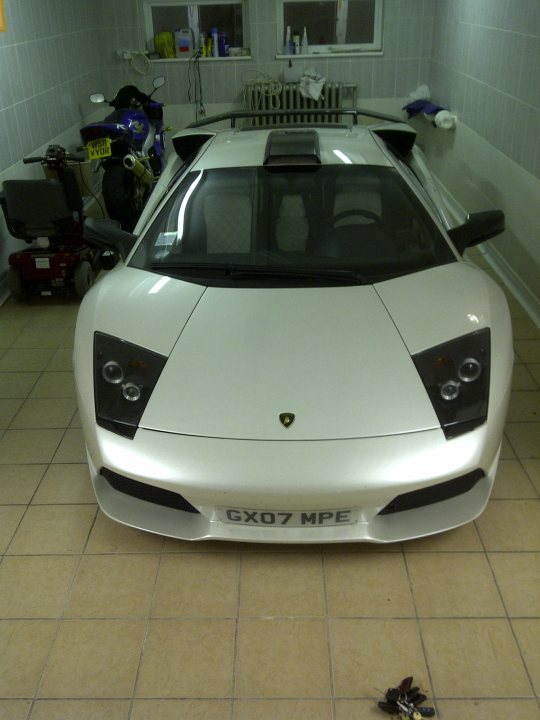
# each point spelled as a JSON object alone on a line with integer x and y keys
{"x": 485, "y": 653}
{"x": 370, "y": 654}
{"x": 197, "y": 585}
{"x": 488, "y": 709}
{"x": 72, "y": 448}
{"x": 17, "y": 384}
{"x": 93, "y": 659}
{"x": 8, "y": 411}
{"x": 528, "y": 636}
{"x": 81, "y": 710}
{"x": 524, "y": 406}
{"x": 282, "y": 710}
{"x": 29, "y": 446}
{"x": 113, "y": 586}
{"x": 360, "y": 709}
{"x": 25, "y": 360}
{"x": 532, "y": 468}
{"x": 14, "y": 709}
{"x": 507, "y": 451}
{"x": 523, "y": 378}
{"x": 8, "y": 334}
{"x": 518, "y": 579}
{"x": 523, "y": 328}
{"x": 61, "y": 361}
{"x": 462, "y": 539}
{"x": 534, "y": 369}
{"x": 277, "y": 585}
{"x": 524, "y": 438}
{"x": 528, "y": 351}
{"x": 35, "y": 587}
{"x": 44, "y": 413}
{"x": 188, "y": 658}
{"x": 108, "y": 536}
{"x": 181, "y": 710}
{"x": 54, "y": 385}
{"x": 261, "y": 669}
{"x": 58, "y": 312}
{"x": 24, "y": 645}
{"x": 53, "y": 529}
{"x": 367, "y": 585}
{"x": 453, "y": 585}
{"x": 39, "y": 336}
{"x": 68, "y": 483}
{"x": 10, "y": 517}
{"x": 76, "y": 421}
{"x": 511, "y": 482}
{"x": 511, "y": 525}
{"x": 18, "y": 483}
{"x": 174, "y": 545}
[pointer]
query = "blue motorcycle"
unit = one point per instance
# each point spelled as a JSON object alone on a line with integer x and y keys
{"x": 130, "y": 146}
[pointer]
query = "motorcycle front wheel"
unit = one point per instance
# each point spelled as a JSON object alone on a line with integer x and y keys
{"x": 124, "y": 195}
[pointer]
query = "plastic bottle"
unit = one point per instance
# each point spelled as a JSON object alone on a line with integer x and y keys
{"x": 305, "y": 46}
{"x": 215, "y": 42}
{"x": 288, "y": 41}
{"x": 296, "y": 43}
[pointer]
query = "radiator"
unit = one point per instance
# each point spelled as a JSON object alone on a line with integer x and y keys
{"x": 286, "y": 96}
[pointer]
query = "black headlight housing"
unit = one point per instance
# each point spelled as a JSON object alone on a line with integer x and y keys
{"x": 456, "y": 377}
{"x": 124, "y": 378}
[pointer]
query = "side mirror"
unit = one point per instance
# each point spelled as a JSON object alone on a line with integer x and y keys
{"x": 108, "y": 235}
{"x": 97, "y": 98}
{"x": 158, "y": 82}
{"x": 476, "y": 229}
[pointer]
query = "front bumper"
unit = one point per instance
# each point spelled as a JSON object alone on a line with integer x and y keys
{"x": 367, "y": 474}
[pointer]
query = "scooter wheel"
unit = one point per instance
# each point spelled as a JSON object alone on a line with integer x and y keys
{"x": 83, "y": 278}
{"x": 17, "y": 287}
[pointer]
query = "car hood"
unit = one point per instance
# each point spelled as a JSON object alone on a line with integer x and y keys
{"x": 332, "y": 357}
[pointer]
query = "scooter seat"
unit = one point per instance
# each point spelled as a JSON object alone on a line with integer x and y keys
{"x": 36, "y": 208}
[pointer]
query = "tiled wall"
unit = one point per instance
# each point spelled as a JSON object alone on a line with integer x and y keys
{"x": 480, "y": 57}
{"x": 47, "y": 59}
{"x": 486, "y": 66}
{"x": 408, "y": 30}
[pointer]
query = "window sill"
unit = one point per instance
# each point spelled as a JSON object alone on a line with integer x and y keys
{"x": 337, "y": 54}
{"x": 202, "y": 59}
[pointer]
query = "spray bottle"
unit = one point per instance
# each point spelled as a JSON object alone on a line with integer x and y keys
{"x": 288, "y": 42}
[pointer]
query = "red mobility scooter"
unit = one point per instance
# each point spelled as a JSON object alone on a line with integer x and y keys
{"x": 48, "y": 215}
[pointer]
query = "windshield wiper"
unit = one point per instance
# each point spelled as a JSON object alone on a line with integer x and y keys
{"x": 327, "y": 275}
{"x": 250, "y": 272}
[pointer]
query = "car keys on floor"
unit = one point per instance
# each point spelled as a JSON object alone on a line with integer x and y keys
{"x": 404, "y": 700}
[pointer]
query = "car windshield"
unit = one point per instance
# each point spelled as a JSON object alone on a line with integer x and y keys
{"x": 332, "y": 224}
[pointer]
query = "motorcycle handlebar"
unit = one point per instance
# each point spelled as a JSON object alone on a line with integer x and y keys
{"x": 28, "y": 160}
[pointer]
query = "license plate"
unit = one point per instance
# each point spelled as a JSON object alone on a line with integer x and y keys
{"x": 280, "y": 518}
{"x": 100, "y": 148}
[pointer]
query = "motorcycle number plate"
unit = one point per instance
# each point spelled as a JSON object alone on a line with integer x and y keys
{"x": 100, "y": 148}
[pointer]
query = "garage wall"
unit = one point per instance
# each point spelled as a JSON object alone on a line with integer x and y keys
{"x": 408, "y": 29}
{"x": 480, "y": 57}
{"x": 486, "y": 68}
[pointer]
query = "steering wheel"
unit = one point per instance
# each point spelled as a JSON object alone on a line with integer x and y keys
{"x": 357, "y": 212}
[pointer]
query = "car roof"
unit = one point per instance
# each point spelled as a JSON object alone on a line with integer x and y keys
{"x": 355, "y": 145}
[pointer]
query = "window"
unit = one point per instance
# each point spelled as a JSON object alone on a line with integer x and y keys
{"x": 332, "y": 26}
{"x": 229, "y": 17}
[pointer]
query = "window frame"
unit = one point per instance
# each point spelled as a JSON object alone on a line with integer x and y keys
{"x": 374, "y": 48}
{"x": 149, "y": 28}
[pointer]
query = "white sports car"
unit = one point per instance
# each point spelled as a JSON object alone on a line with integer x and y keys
{"x": 292, "y": 347}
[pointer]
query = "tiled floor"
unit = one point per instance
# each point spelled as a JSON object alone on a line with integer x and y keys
{"x": 100, "y": 622}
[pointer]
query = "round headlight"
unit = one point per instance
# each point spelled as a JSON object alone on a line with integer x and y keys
{"x": 450, "y": 390}
{"x": 131, "y": 392}
{"x": 469, "y": 370}
{"x": 112, "y": 372}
